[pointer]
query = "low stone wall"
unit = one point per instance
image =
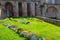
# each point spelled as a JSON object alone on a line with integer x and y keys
{"x": 53, "y": 21}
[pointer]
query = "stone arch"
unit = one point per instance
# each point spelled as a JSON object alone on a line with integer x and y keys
{"x": 2, "y": 15}
{"x": 51, "y": 12}
{"x": 9, "y": 9}
{"x": 0, "y": 11}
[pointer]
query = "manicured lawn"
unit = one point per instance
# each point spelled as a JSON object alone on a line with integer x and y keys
{"x": 7, "y": 34}
{"x": 37, "y": 26}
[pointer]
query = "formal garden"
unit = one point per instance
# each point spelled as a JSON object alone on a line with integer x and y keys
{"x": 28, "y": 28}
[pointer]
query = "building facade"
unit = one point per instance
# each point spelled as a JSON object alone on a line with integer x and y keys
{"x": 18, "y": 8}
{"x": 51, "y": 8}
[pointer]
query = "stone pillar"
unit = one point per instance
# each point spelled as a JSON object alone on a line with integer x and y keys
{"x": 0, "y": 13}
{"x": 15, "y": 9}
{"x": 7, "y": 13}
{"x": 32, "y": 8}
{"x": 58, "y": 14}
{"x": 37, "y": 9}
{"x": 24, "y": 9}
{"x": 41, "y": 2}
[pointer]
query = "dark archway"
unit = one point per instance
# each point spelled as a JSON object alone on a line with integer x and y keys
{"x": 51, "y": 12}
{"x": 20, "y": 9}
{"x": 9, "y": 9}
{"x": 28, "y": 9}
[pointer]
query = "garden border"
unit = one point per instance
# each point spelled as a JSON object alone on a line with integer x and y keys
{"x": 49, "y": 20}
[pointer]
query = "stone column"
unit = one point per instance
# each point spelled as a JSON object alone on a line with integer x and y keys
{"x": 24, "y": 9}
{"x": 37, "y": 9}
{"x": 7, "y": 13}
{"x": 32, "y": 8}
{"x": 41, "y": 2}
{"x": 15, "y": 9}
{"x": 0, "y": 13}
{"x": 58, "y": 14}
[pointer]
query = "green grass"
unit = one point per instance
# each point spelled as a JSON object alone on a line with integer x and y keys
{"x": 45, "y": 29}
{"x": 7, "y": 34}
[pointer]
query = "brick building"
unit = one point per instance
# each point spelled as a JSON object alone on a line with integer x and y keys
{"x": 18, "y": 8}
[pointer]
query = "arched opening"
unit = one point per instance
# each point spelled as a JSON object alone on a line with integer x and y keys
{"x": 28, "y": 9}
{"x": 9, "y": 9}
{"x": 51, "y": 12}
{"x": 20, "y": 9}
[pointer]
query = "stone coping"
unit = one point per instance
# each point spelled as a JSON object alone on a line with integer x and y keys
{"x": 49, "y": 20}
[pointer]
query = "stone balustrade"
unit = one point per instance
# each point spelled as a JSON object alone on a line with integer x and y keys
{"x": 53, "y": 21}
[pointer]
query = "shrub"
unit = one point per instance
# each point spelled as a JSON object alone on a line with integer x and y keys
{"x": 19, "y": 30}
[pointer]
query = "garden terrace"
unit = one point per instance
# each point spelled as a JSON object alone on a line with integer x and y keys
{"x": 49, "y": 20}
{"x": 35, "y": 25}
{"x": 7, "y": 34}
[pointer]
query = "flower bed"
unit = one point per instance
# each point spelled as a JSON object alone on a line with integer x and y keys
{"x": 25, "y": 33}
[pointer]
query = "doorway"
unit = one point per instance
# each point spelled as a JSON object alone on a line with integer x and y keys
{"x": 20, "y": 9}
{"x": 28, "y": 9}
{"x": 9, "y": 9}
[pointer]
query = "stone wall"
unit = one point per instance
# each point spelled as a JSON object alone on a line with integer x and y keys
{"x": 33, "y": 11}
{"x": 52, "y": 21}
{"x": 15, "y": 8}
{"x": 57, "y": 13}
